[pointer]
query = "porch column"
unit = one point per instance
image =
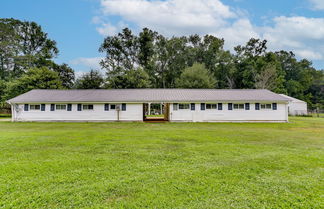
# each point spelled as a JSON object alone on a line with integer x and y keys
{"x": 149, "y": 108}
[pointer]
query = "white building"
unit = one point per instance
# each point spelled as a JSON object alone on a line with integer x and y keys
{"x": 296, "y": 106}
{"x": 192, "y": 105}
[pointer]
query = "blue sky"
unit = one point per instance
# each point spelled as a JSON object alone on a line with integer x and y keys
{"x": 79, "y": 26}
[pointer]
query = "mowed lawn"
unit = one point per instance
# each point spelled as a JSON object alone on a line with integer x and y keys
{"x": 168, "y": 165}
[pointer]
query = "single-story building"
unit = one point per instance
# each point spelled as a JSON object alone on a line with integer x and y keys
{"x": 296, "y": 106}
{"x": 192, "y": 105}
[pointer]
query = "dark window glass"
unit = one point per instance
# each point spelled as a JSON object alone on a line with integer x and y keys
{"x": 60, "y": 107}
{"x": 193, "y": 106}
{"x": 79, "y": 107}
{"x": 123, "y": 107}
{"x": 183, "y": 106}
{"x": 247, "y": 106}
{"x": 42, "y": 107}
{"x": 202, "y": 106}
{"x": 69, "y": 107}
{"x": 88, "y": 107}
{"x": 274, "y": 106}
{"x": 211, "y": 106}
{"x": 230, "y": 106}
{"x": 52, "y": 107}
{"x": 106, "y": 107}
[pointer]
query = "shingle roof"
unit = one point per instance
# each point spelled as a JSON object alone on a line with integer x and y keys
{"x": 148, "y": 95}
{"x": 292, "y": 98}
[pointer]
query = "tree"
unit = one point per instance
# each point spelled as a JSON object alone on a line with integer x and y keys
{"x": 90, "y": 80}
{"x": 66, "y": 75}
{"x": 23, "y": 45}
{"x": 35, "y": 78}
{"x": 266, "y": 79}
{"x": 136, "y": 78}
{"x": 196, "y": 76}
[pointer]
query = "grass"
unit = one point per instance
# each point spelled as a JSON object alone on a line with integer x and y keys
{"x": 169, "y": 165}
{"x": 155, "y": 116}
{"x": 5, "y": 116}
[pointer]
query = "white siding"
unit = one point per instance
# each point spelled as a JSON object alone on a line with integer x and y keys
{"x": 297, "y": 108}
{"x": 134, "y": 112}
{"x": 198, "y": 115}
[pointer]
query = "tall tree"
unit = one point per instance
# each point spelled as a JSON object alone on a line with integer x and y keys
{"x": 23, "y": 45}
{"x": 196, "y": 77}
{"x": 66, "y": 75}
{"x": 34, "y": 78}
{"x": 137, "y": 78}
{"x": 90, "y": 80}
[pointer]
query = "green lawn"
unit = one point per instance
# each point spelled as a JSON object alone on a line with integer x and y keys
{"x": 168, "y": 165}
{"x": 5, "y": 116}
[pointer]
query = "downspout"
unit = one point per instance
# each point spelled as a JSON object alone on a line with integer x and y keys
{"x": 287, "y": 118}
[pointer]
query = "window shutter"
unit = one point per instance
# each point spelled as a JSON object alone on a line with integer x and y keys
{"x": 52, "y": 107}
{"x": 69, "y": 107}
{"x": 247, "y": 106}
{"x": 106, "y": 107}
{"x": 175, "y": 106}
{"x": 193, "y": 106}
{"x": 220, "y": 106}
{"x": 230, "y": 106}
{"x": 26, "y": 107}
{"x": 42, "y": 107}
{"x": 257, "y": 106}
{"x": 202, "y": 106}
{"x": 123, "y": 107}
{"x": 274, "y": 106}
{"x": 79, "y": 107}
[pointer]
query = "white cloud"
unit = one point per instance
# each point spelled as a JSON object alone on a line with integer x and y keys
{"x": 87, "y": 62}
{"x": 108, "y": 29}
{"x": 173, "y": 17}
{"x": 237, "y": 33}
{"x": 304, "y": 36}
{"x": 317, "y": 4}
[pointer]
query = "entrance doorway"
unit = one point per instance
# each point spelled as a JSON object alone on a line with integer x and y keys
{"x": 156, "y": 112}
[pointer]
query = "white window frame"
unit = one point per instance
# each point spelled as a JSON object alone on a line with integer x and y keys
{"x": 34, "y": 107}
{"x": 211, "y": 106}
{"x": 60, "y": 107}
{"x": 239, "y": 104}
{"x": 266, "y": 106}
{"x": 83, "y": 105}
{"x": 187, "y": 104}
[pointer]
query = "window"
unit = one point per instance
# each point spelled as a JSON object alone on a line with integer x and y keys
{"x": 123, "y": 107}
{"x": 202, "y": 106}
{"x": 106, "y": 107}
{"x": 88, "y": 107}
{"x": 34, "y": 107}
{"x": 183, "y": 106}
{"x": 238, "y": 106}
{"x": 60, "y": 107}
{"x": 211, "y": 106}
{"x": 113, "y": 107}
{"x": 266, "y": 106}
{"x": 192, "y": 106}
{"x": 175, "y": 106}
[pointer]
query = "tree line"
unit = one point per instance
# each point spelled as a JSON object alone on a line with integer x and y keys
{"x": 151, "y": 60}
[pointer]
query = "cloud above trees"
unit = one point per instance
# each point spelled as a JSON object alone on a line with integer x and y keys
{"x": 303, "y": 35}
